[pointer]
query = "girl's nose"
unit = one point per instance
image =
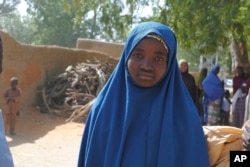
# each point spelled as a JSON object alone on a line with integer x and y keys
{"x": 146, "y": 64}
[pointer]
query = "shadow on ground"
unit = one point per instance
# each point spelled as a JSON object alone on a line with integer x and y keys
{"x": 32, "y": 125}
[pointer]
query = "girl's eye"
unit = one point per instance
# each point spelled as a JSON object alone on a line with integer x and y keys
{"x": 137, "y": 55}
{"x": 160, "y": 59}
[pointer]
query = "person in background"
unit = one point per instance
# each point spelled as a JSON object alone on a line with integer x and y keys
{"x": 6, "y": 159}
{"x": 238, "y": 106}
{"x": 201, "y": 77}
{"x": 239, "y": 78}
{"x": 12, "y": 98}
{"x": 225, "y": 109}
{"x": 188, "y": 79}
{"x": 144, "y": 115}
{"x": 213, "y": 93}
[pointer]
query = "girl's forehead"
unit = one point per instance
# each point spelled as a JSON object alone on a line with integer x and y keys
{"x": 158, "y": 38}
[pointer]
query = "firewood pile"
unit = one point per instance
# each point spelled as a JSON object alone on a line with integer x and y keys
{"x": 72, "y": 93}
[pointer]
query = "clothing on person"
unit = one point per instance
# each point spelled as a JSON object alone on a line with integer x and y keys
{"x": 225, "y": 109}
{"x": 238, "y": 106}
{"x": 247, "y": 108}
{"x": 239, "y": 78}
{"x": 201, "y": 77}
{"x": 188, "y": 79}
{"x": 6, "y": 159}
{"x": 136, "y": 123}
{"x": 213, "y": 94}
{"x": 213, "y": 112}
{"x": 12, "y": 98}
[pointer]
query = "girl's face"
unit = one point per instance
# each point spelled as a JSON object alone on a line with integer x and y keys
{"x": 147, "y": 62}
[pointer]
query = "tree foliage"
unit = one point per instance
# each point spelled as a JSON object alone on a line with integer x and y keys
{"x": 207, "y": 27}
{"x": 21, "y": 28}
{"x": 61, "y": 22}
{"x": 8, "y": 6}
{"x": 202, "y": 27}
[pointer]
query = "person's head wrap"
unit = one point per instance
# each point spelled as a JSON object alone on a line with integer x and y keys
{"x": 132, "y": 126}
{"x": 180, "y": 63}
{"x": 215, "y": 69}
{"x": 202, "y": 75}
{"x": 13, "y": 79}
{"x": 158, "y": 38}
{"x": 212, "y": 85}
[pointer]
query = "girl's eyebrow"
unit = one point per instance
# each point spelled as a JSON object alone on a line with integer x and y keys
{"x": 138, "y": 49}
{"x": 157, "y": 52}
{"x": 161, "y": 53}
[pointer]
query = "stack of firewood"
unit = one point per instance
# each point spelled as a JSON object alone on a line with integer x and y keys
{"x": 72, "y": 93}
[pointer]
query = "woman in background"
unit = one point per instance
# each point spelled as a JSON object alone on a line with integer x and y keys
{"x": 201, "y": 77}
{"x": 213, "y": 93}
{"x": 188, "y": 79}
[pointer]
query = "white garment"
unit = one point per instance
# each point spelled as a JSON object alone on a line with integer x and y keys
{"x": 225, "y": 105}
{"x": 247, "y": 108}
{"x": 5, "y": 154}
{"x": 237, "y": 95}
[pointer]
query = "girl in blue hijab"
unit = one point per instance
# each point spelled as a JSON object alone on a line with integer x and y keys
{"x": 144, "y": 116}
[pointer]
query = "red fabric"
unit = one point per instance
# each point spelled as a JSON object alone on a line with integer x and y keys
{"x": 237, "y": 82}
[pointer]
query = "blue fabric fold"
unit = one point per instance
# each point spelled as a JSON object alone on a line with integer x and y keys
{"x": 131, "y": 126}
{"x": 212, "y": 85}
{"x": 6, "y": 159}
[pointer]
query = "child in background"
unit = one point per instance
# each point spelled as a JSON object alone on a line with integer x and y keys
{"x": 225, "y": 109}
{"x": 12, "y": 104}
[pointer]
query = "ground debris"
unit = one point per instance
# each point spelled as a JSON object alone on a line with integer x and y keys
{"x": 72, "y": 93}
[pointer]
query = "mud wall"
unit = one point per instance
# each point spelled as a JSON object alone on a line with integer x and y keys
{"x": 112, "y": 49}
{"x": 33, "y": 65}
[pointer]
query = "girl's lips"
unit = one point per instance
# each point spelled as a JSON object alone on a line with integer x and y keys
{"x": 146, "y": 76}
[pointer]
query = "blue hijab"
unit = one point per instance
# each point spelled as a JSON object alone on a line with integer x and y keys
{"x": 131, "y": 126}
{"x": 212, "y": 85}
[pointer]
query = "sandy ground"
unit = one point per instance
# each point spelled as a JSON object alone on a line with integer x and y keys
{"x": 42, "y": 140}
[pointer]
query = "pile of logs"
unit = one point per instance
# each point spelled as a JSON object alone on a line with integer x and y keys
{"x": 72, "y": 93}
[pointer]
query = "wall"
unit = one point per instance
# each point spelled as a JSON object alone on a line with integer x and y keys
{"x": 33, "y": 65}
{"x": 112, "y": 49}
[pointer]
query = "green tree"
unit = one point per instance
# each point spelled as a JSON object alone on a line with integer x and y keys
{"x": 19, "y": 27}
{"x": 54, "y": 25}
{"x": 61, "y": 22}
{"x": 207, "y": 26}
{"x": 8, "y": 6}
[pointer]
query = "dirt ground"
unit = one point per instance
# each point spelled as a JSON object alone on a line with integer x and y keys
{"x": 43, "y": 140}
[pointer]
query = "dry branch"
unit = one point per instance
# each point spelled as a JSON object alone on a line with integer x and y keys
{"x": 72, "y": 93}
